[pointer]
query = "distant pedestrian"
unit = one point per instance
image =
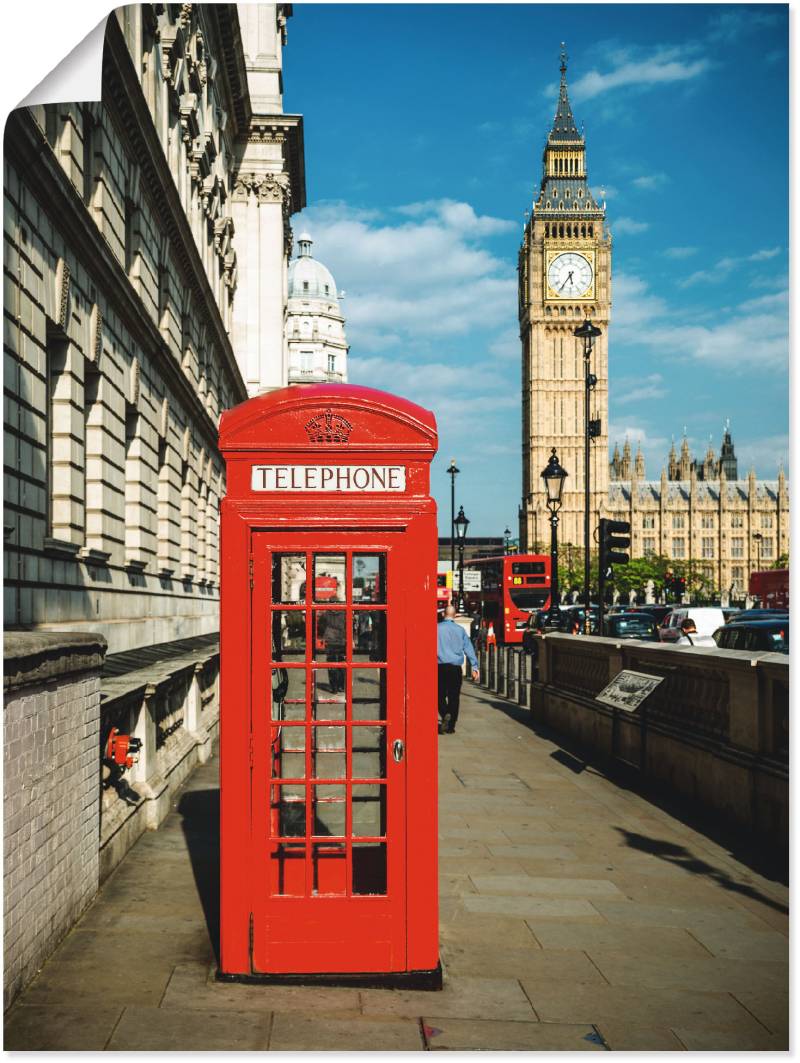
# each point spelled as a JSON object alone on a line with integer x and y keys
{"x": 332, "y": 629}
{"x": 475, "y": 625}
{"x": 452, "y": 645}
{"x": 689, "y": 636}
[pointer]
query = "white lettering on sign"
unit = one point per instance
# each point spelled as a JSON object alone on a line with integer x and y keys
{"x": 328, "y": 478}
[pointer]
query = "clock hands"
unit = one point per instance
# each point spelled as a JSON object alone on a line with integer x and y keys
{"x": 568, "y": 280}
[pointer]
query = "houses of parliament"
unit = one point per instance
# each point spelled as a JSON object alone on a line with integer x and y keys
{"x": 697, "y": 508}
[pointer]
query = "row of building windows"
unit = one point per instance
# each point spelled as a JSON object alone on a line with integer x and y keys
{"x": 707, "y": 547}
{"x": 557, "y": 229}
{"x": 568, "y": 164}
{"x": 184, "y": 507}
{"x": 707, "y": 521}
{"x": 569, "y": 311}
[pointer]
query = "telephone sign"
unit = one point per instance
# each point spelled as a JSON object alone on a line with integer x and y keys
{"x": 328, "y": 722}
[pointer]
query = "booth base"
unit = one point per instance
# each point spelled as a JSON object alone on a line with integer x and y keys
{"x": 431, "y": 979}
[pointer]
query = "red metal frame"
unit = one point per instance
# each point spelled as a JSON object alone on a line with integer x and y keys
{"x": 321, "y": 926}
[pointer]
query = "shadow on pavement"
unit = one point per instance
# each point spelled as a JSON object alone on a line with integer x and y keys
{"x": 746, "y": 849}
{"x": 681, "y": 857}
{"x": 200, "y": 812}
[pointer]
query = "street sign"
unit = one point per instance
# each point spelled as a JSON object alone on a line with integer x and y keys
{"x": 472, "y": 579}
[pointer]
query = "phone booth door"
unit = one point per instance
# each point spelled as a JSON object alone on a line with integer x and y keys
{"x": 328, "y": 754}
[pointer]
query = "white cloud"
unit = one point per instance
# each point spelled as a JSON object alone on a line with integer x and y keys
{"x": 422, "y": 379}
{"x": 724, "y": 266}
{"x": 629, "y": 226}
{"x": 641, "y": 390}
{"x": 635, "y": 307}
{"x": 752, "y": 336}
{"x": 665, "y": 66}
{"x": 680, "y": 252}
{"x": 733, "y": 23}
{"x": 455, "y": 215}
{"x": 419, "y": 271}
{"x": 763, "y": 454}
{"x": 601, "y": 192}
{"x": 650, "y": 182}
{"x": 506, "y": 346}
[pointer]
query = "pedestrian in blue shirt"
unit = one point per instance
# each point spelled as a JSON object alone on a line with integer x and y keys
{"x": 452, "y": 644}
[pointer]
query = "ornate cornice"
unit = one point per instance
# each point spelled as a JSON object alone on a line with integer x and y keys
{"x": 27, "y": 150}
{"x": 123, "y": 93}
{"x": 286, "y": 130}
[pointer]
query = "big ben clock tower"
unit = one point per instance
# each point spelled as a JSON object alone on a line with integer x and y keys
{"x": 564, "y": 277}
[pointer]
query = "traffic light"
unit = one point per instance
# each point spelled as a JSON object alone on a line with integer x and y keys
{"x": 614, "y": 537}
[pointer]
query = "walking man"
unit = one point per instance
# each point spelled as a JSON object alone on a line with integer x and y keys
{"x": 452, "y": 644}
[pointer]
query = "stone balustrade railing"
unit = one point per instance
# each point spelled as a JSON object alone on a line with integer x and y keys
{"x": 173, "y": 708}
{"x": 715, "y": 730}
{"x": 69, "y": 816}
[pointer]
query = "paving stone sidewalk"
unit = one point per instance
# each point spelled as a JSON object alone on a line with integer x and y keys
{"x": 575, "y": 915}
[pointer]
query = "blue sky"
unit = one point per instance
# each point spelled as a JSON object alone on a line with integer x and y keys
{"x": 424, "y": 129}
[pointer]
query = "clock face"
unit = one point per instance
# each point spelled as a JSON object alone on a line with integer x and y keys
{"x": 570, "y": 275}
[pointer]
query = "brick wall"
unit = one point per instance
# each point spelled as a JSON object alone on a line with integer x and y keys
{"x": 51, "y": 811}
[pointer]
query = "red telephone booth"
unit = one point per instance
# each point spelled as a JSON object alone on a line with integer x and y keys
{"x": 328, "y": 689}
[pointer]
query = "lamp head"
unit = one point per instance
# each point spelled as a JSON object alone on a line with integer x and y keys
{"x": 554, "y": 476}
{"x": 461, "y": 524}
{"x": 587, "y": 331}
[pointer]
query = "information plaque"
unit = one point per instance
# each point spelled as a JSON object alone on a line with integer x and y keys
{"x": 628, "y": 690}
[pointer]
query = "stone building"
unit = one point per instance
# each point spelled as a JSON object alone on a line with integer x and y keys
{"x": 315, "y": 336}
{"x": 701, "y": 511}
{"x": 147, "y": 242}
{"x": 564, "y": 276}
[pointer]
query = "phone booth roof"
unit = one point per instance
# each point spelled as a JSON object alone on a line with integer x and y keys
{"x": 360, "y": 418}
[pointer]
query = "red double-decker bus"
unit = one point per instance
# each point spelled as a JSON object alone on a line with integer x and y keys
{"x": 443, "y": 593}
{"x": 512, "y": 587}
{"x": 770, "y": 587}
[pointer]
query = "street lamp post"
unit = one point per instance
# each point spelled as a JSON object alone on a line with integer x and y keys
{"x": 553, "y": 476}
{"x": 452, "y": 472}
{"x": 758, "y": 538}
{"x": 461, "y": 524}
{"x": 587, "y": 332}
{"x": 507, "y": 538}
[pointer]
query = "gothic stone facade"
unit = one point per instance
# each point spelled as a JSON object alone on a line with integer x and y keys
{"x": 122, "y": 282}
{"x": 564, "y": 275}
{"x": 699, "y": 510}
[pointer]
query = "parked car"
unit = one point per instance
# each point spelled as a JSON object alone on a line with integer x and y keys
{"x": 746, "y": 616}
{"x": 730, "y": 612}
{"x": 770, "y": 635}
{"x": 657, "y": 611}
{"x": 707, "y": 618}
{"x": 631, "y": 626}
{"x": 577, "y": 613}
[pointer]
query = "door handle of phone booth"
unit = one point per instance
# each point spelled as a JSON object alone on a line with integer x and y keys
{"x": 398, "y": 750}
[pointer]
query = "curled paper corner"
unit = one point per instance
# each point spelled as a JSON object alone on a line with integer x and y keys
{"x": 77, "y": 77}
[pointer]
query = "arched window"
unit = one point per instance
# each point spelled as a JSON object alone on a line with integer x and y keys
{"x": 547, "y": 229}
{"x": 547, "y": 311}
{"x": 561, "y": 229}
{"x": 583, "y": 230}
{"x": 591, "y": 229}
{"x": 561, "y": 204}
{"x": 563, "y": 311}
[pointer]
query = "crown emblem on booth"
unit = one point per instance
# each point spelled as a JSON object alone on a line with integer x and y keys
{"x": 329, "y": 427}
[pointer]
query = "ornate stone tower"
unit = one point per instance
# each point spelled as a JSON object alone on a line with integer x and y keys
{"x": 564, "y": 276}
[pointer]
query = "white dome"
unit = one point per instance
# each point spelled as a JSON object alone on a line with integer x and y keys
{"x": 308, "y": 278}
